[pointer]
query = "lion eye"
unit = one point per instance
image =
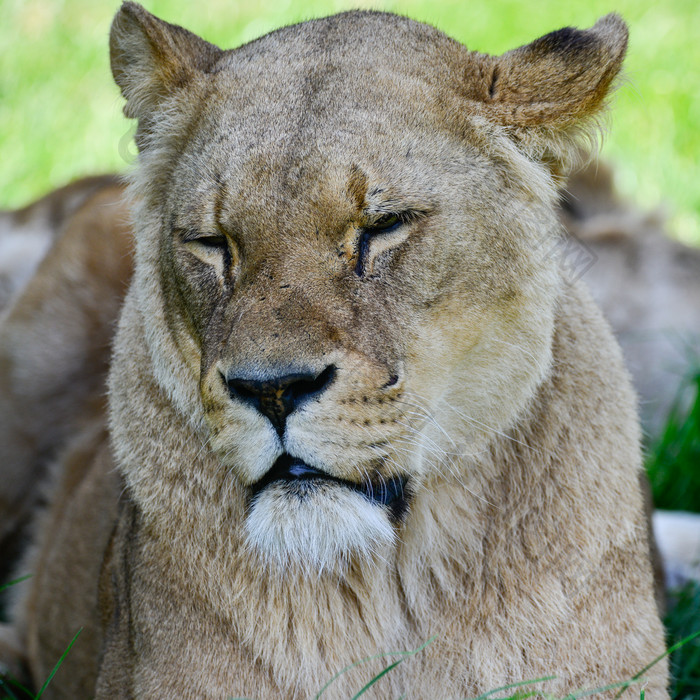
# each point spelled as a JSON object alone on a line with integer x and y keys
{"x": 212, "y": 248}
{"x": 386, "y": 224}
{"x": 214, "y": 241}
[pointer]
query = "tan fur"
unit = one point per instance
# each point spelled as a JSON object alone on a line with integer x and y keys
{"x": 462, "y": 362}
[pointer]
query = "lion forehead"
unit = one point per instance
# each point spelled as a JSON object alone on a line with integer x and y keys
{"x": 364, "y": 43}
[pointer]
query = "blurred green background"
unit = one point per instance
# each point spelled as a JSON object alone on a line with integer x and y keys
{"x": 60, "y": 113}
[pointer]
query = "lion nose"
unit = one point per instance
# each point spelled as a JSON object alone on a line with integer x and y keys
{"x": 277, "y": 397}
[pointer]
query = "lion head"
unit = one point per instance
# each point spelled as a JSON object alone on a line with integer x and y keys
{"x": 343, "y": 259}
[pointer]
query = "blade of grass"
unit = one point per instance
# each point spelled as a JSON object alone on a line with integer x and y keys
{"x": 653, "y": 663}
{"x": 58, "y": 665}
{"x": 372, "y": 658}
{"x": 381, "y": 674}
{"x": 583, "y": 693}
{"x": 9, "y": 695}
{"x": 522, "y": 695}
{"x": 511, "y": 686}
{"x": 7, "y": 682}
{"x": 4, "y": 586}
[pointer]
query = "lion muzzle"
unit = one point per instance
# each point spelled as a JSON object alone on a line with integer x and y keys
{"x": 277, "y": 396}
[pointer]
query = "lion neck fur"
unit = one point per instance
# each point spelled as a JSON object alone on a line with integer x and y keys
{"x": 305, "y": 625}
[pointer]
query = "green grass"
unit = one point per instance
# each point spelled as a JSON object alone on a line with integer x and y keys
{"x": 60, "y": 114}
{"x": 673, "y": 465}
{"x": 524, "y": 689}
{"x": 11, "y": 689}
{"x": 682, "y": 620}
{"x": 674, "y": 460}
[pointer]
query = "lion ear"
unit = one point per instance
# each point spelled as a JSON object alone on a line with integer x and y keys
{"x": 151, "y": 59}
{"x": 552, "y": 90}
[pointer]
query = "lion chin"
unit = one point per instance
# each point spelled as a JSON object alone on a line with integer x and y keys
{"x": 317, "y": 527}
{"x": 302, "y": 518}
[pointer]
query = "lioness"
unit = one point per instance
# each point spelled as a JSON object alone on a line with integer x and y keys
{"x": 353, "y": 406}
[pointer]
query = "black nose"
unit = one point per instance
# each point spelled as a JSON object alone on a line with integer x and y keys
{"x": 277, "y": 397}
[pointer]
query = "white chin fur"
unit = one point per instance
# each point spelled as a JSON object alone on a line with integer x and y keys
{"x": 318, "y": 527}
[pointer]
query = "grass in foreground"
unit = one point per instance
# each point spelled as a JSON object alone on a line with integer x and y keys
{"x": 689, "y": 646}
{"x": 683, "y": 618}
{"x": 523, "y": 689}
{"x": 11, "y": 689}
{"x": 673, "y": 464}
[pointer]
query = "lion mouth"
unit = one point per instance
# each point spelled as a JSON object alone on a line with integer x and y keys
{"x": 302, "y": 478}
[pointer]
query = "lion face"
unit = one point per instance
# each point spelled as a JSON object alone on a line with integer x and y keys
{"x": 349, "y": 264}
